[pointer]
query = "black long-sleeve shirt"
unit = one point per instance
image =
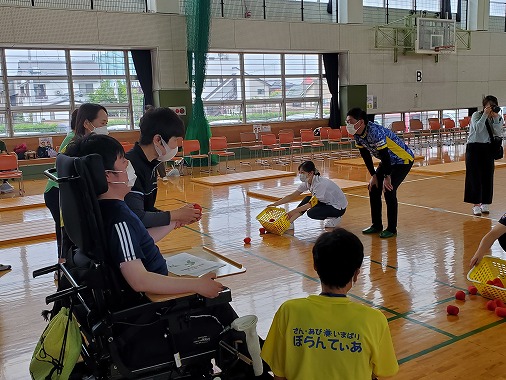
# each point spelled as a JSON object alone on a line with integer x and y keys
{"x": 142, "y": 197}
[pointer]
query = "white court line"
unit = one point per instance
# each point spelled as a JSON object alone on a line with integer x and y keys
{"x": 431, "y": 208}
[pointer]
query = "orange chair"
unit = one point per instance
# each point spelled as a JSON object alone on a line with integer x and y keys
{"x": 127, "y": 146}
{"x": 435, "y": 130}
{"x": 449, "y": 129}
{"x": 9, "y": 169}
{"x": 335, "y": 143}
{"x": 399, "y": 127}
{"x": 249, "y": 141}
{"x": 415, "y": 131}
{"x": 219, "y": 147}
{"x": 190, "y": 146}
{"x": 270, "y": 145}
{"x": 286, "y": 139}
{"x": 308, "y": 139}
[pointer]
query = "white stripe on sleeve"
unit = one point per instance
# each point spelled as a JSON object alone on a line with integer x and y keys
{"x": 125, "y": 241}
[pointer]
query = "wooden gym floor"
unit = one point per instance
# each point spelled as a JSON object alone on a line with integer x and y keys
{"x": 411, "y": 278}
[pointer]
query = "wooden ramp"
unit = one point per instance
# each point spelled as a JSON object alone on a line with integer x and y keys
{"x": 360, "y": 162}
{"x": 18, "y": 203}
{"x": 255, "y": 175}
{"x": 458, "y": 167}
{"x": 276, "y": 193}
{"x": 24, "y": 231}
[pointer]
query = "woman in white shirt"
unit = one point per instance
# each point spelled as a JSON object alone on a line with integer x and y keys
{"x": 326, "y": 202}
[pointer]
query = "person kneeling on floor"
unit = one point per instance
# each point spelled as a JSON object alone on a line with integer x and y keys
{"x": 326, "y": 202}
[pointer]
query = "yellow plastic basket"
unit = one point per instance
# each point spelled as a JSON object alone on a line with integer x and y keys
{"x": 488, "y": 269}
{"x": 280, "y": 224}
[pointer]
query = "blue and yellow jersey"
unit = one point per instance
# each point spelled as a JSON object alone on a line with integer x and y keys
{"x": 377, "y": 137}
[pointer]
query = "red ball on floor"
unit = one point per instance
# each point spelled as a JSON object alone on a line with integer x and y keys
{"x": 499, "y": 303}
{"x": 247, "y": 240}
{"x": 472, "y": 290}
{"x": 262, "y": 231}
{"x": 491, "y": 305}
{"x": 197, "y": 207}
{"x": 500, "y": 312}
{"x": 460, "y": 295}
{"x": 452, "y": 310}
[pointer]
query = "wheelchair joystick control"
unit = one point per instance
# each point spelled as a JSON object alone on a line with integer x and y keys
{"x": 248, "y": 324}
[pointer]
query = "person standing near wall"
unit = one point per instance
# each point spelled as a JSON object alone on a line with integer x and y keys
{"x": 396, "y": 161}
{"x": 52, "y": 191}
{"x": 479, "y": 187}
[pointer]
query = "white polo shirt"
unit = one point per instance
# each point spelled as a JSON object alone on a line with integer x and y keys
{"x": 326, "y": 191}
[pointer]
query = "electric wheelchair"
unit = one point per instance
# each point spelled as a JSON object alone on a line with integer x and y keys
{"x": 124, "y": 334}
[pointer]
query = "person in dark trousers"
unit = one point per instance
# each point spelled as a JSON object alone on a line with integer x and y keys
{"x": 326, "y": 202}
{"x": 396, "y": 160}
{"x": 479, "y": 187}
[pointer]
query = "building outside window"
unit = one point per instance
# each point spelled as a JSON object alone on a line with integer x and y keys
{"x": 44, "y": 86}
{"x": 249, "y": 88}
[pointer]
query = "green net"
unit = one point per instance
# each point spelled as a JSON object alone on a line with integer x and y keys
{"x": 198, "y": 20}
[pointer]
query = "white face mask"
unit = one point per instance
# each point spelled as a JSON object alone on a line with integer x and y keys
{"x": 100, "y": 130}
{"x": 350, "y": 128}
{"x": 169, "y": 153}
{"x": 130, "y": 174}
{"x": 303, "y": 177}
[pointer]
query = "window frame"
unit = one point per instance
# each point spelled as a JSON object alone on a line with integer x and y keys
{"x": 245, "y": 101}
{"x": 70, "y": 81}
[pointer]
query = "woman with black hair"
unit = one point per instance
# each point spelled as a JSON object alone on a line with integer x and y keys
{"x": 326, "y": 202}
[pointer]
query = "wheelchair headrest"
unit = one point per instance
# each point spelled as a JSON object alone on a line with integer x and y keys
{"x": 72, "y": 167}
{"x": 81, "y": 180}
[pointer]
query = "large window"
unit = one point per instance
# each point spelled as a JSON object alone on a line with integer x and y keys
{"x": 42, "y": 88}
{"x": 249, "y": 88}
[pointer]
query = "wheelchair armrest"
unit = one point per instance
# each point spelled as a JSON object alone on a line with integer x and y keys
{"x": 192, "y": 301}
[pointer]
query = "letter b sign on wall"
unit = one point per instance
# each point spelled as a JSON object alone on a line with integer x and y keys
{"x": 418, "y": 75}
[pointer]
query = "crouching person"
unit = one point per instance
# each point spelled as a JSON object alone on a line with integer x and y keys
{"x": 327, "y": 336}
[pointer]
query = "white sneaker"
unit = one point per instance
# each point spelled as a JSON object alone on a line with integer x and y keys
{"x": 477, "y": 210}
{"x": 332, "y": 222}
{"x": 6, "y": 187}
{"x": 485, "y": 209}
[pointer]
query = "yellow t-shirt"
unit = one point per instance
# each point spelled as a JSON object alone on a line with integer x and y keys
{"x": 321, "y": 337}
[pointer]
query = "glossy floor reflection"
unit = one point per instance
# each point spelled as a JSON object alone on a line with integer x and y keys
{"x": 411, "y": 279}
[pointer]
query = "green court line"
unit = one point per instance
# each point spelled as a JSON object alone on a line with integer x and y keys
{"x": 397, "y": 315}
{"x": 449, "y": 341}
{"x": 385, "y": 265}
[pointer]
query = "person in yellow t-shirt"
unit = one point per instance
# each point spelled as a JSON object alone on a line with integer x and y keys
{"x": 327, "y": 336}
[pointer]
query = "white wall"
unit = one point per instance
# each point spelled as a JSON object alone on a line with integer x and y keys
{"x": 456, "y": 81}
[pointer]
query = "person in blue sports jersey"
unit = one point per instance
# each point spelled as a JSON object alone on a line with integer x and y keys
{"x": 396, "y": 158}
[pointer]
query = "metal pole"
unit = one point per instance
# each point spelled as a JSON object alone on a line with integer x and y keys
{"x": 386, "y": 12}
{"x": 302, "y": 10}
{"x": 265, "y": 13}
{"x": 222, "y": 6}
{"x": 146, "y": 6}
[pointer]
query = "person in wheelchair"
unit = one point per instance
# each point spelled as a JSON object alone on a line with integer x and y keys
{"x": 132, "y": 250}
